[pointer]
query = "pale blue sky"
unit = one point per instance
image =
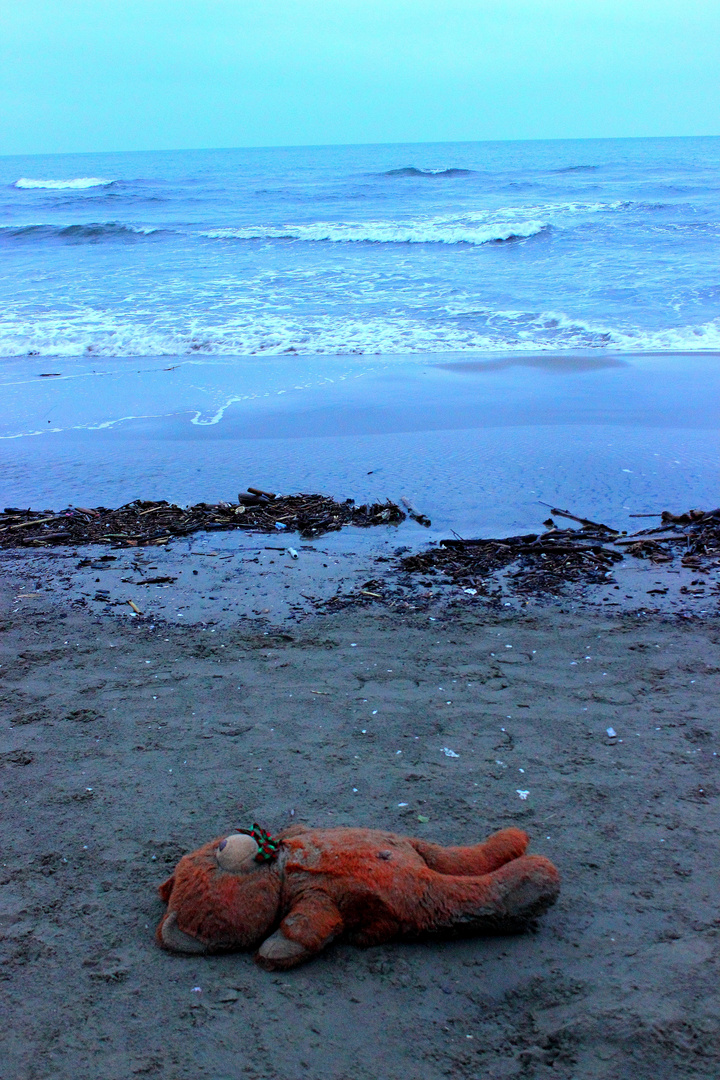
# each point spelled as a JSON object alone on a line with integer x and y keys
{"x": 92, "y": 75}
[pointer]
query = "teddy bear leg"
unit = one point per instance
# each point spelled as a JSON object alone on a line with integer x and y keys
{"x": 500, "y": 902}
{"x": 311, "y": 924}
{"x": 479, "y": 859}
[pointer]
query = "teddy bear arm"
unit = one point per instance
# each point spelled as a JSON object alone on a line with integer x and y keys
{"x": 312, "y": 923}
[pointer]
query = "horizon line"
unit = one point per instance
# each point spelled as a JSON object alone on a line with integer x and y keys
{"x": 336, "y": 145}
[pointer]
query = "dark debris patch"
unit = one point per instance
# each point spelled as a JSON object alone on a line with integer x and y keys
{"x": 694, "y": 537}
{"x": 537, "y": 563}
{"x": 140, "y": 523}
{"x": 542, "y": 564}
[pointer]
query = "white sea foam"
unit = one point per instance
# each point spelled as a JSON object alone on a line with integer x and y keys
{"x": 702, "y": 338}
{"x": 553, "y": 210}
{"x": 96, "y": 333}
{"x": 78, "y": 183}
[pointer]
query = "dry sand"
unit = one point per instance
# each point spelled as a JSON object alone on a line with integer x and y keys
{"x": 126, "y": 743}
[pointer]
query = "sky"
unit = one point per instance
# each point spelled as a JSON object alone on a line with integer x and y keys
{"x": 111, "y": 75}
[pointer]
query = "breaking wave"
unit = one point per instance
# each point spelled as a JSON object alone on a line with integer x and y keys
{"x": 92, "y": 232}
{"x": 494, "y": 226}
{"x": 77, "y": 184}
{"x": 410, "y": 170}
{"x": 389, "y": 232}
{"x": 477, "y": 227}
{"x": 577, "y": 168}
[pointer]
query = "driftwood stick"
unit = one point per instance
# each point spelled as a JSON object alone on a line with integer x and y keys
{"x": 421, "y": 519}
{"x": 35, "y": 521}
{"x": 582, "y": 520}
{"x": 154, "y": 509}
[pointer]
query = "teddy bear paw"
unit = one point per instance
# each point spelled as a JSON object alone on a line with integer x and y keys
{"x": 176, "y": 940}
{"x": 278, "y": 952}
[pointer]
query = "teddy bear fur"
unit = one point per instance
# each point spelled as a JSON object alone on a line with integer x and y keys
{"x": 366, "y": 885}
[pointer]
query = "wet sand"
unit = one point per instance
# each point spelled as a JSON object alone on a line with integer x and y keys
{"x": 127, "y": 741}
{"x": 476, "y": 443}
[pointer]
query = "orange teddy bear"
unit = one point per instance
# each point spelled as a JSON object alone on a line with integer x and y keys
{"x": 293, "y": 895}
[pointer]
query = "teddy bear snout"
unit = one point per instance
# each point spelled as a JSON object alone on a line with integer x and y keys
{"x": 235, "y": 852}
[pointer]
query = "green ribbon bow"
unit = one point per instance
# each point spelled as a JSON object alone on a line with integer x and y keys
{"x": 268, "y": 847}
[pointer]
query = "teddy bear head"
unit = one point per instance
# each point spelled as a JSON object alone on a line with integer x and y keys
{"x": 220, "y": 897}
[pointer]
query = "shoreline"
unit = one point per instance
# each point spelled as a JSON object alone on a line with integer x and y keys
{"x": 347, "y": 556}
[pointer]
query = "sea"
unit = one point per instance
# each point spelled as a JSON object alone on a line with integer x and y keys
{"x": 391, "y": 249}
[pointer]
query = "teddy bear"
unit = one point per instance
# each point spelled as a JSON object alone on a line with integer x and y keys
{"x": 289, "y": 897}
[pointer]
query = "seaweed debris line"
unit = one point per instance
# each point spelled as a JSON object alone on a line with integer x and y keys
{"x": 139, "y": 523}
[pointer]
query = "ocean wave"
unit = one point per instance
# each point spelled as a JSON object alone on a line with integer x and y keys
{"x": 556, "y": 210}
{"x": 78, "y": 184}
{"x": 497, "y": 225}
{"x": 577, "y": 168}
{"x": 494, "y": 225}
{"x": 410, "y": 170}
{"x": 92, "y": 232}
{"x": 388, "y": 232}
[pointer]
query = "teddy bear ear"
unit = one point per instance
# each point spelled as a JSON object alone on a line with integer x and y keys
{"x": 235, "y": 851}
{"x": 166, "y": 888}
{"x": 176, "y": 940}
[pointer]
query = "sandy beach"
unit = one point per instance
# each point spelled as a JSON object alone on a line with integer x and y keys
{"x": 129, "y": 740}
{"x": 156, "y": 696}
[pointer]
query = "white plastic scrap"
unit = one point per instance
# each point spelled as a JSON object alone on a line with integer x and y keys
{"x": 523, "y": 794}
{"x": 448, "y": 752}
{"x": 292, "y": 553}
{"x": 612, "y": 733}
